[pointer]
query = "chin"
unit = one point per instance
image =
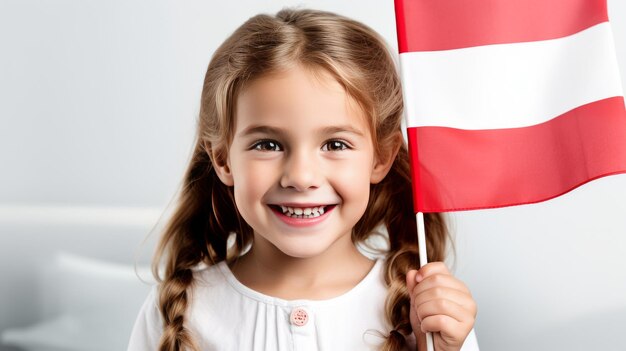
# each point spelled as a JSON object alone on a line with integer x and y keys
{"x": 302, "y": 249}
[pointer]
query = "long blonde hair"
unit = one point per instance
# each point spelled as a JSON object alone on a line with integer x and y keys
{"x": 206, "y": 215}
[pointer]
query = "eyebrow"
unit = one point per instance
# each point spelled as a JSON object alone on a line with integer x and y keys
{"x": 260, "y": 129}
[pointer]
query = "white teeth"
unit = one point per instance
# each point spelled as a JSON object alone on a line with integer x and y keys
{"x": 299, "y": 212}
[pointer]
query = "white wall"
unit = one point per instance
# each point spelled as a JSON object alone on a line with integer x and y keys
{"x": 97, "y": 107}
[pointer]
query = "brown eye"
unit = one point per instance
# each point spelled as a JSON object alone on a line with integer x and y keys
{"x": 267, "y": 145}
{"x": 335, "y": 145}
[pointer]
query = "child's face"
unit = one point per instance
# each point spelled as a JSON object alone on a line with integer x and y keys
{"x": 300, "y": 142}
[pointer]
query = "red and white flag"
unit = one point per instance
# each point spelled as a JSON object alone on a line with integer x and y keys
{"x": 508, "y": 102}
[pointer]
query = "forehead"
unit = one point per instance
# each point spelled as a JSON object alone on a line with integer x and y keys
{"x": 299, "y": 96}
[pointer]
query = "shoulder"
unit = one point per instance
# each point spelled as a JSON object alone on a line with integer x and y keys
{"x": 204, "y": 274}
{"x": 208, "y": 281}
{"x": 215, "y": 281}
{"x": 148, "y": 325}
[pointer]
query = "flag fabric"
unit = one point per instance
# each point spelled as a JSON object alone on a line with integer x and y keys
{"x": 508, "y": 102}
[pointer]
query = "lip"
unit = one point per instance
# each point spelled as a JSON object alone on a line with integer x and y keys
{"x": 302, "y": 205}
{"x": 302, "y": 222}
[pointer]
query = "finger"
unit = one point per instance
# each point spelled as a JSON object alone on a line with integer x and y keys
{"x": 444, "y": 307}
{"x": 430, "y": 269}
{"x": 449, "y": 328}
{"x": 440, "y": 280}
{"x": 461, "y": 298}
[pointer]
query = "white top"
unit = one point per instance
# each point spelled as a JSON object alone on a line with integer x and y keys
{"x": 224, "y": 314}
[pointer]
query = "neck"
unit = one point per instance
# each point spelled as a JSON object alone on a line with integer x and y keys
{"x": 268, "y": 270}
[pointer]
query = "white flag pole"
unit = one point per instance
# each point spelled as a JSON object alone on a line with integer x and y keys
{"x": 421, "y": 243}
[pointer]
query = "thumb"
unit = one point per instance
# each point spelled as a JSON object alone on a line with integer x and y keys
{"x": 415, "y": 324}
{"x": 410, "y": 281}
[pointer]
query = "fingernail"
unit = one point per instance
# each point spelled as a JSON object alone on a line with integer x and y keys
{"x": 418, "y": 277}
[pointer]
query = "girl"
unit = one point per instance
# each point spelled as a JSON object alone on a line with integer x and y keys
{"x": 299, "y": 157}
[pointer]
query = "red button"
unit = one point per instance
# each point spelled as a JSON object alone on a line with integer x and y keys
{"x": 299, "y": 316}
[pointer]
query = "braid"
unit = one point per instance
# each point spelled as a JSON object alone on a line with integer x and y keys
{"x": 173, "y": 303}
{"x": 399, "y": 262}
{"x": 391, "y": 202}
{"x": 197, "y": 233}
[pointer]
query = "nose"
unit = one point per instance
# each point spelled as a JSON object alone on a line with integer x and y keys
{"x": 300, "y": 172}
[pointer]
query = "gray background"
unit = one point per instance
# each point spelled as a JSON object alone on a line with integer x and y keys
{"x": 97, "y": 107}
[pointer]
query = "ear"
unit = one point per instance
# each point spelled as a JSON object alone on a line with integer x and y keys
{"x": 383, "y": 162}
{"x": 221, "y": 164}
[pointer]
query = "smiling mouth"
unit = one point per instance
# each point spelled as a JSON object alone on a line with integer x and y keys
{"x": 302, "y": 212}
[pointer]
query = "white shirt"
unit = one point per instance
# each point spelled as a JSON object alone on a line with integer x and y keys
{"x": 224, "y": 314}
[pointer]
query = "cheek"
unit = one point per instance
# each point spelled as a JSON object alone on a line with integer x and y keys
{"x": 353, "y": 183}
{"x": 355, "y": 194}
{"x": 251, "y": 183}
